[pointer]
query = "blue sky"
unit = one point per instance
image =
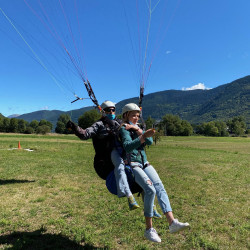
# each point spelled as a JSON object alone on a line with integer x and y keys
{"x": 189, "y": 43}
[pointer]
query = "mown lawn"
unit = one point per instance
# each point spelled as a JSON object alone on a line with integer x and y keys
{"x": 51, "y": 198}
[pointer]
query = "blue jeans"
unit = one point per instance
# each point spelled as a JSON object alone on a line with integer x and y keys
{"x": 143, "y": 178}
{"x": 120, "y": 175}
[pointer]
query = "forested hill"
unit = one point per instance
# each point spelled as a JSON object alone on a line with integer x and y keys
{"x": 195, "y": 106}
{"x": 53, "y": 115}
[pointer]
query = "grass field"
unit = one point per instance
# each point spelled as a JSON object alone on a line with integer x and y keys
{"x": 51, "y": 198}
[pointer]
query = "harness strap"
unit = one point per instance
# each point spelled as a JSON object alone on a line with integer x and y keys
{"x": 132, "y": 134}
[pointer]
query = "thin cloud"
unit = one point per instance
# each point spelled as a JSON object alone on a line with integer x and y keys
{"x": 44, "y": 108}
{"x": 168, "y": 52}
{"x": 197, "y": 86}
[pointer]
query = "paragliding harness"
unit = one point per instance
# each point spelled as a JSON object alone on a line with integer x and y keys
{"x": 103, "y": 148}
{"x": 134, "y": 136}
{"x": 134, "y": 187}
{"x": 102, "y": 160}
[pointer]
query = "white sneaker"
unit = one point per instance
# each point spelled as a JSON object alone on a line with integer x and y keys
{"x": 152, "y": 235}
{"x": 177, "y": 226}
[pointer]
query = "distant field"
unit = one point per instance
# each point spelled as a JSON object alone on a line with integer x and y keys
{"x": 51, "y": 198}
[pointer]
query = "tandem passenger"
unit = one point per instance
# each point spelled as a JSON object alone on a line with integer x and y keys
{"x": 134, "y": 141}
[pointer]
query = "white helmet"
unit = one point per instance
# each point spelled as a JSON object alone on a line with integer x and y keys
{"x": 107, "y": 104}
{"x": 130, "y": 107}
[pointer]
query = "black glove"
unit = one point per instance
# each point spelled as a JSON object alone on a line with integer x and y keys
{"x": 71, "y": 125}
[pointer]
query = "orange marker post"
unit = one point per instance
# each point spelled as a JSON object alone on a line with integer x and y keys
{"x": 19, "y": 145}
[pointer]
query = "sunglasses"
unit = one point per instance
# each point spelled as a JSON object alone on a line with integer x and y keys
{"x": 109, "y": 110}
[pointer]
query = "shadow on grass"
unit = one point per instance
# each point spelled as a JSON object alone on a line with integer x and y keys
{"x": 13, "y": 181}
{"x": 40, "y": 241}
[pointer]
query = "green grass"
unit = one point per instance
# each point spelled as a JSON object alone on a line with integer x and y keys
{"x": 51, "y": 198}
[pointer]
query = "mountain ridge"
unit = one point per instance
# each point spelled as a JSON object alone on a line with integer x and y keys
{"x": 196, "y": 106}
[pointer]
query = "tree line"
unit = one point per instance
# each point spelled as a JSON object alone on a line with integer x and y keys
{"x": 15, "y": 125}
{"x": 169, "y": 125}
{"x": 173, "y": 125}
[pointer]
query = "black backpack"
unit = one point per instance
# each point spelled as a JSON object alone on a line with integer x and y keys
{"x": 103, "y": 148}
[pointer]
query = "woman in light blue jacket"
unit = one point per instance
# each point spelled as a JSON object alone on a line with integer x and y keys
{"x": 134, "y": 140}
